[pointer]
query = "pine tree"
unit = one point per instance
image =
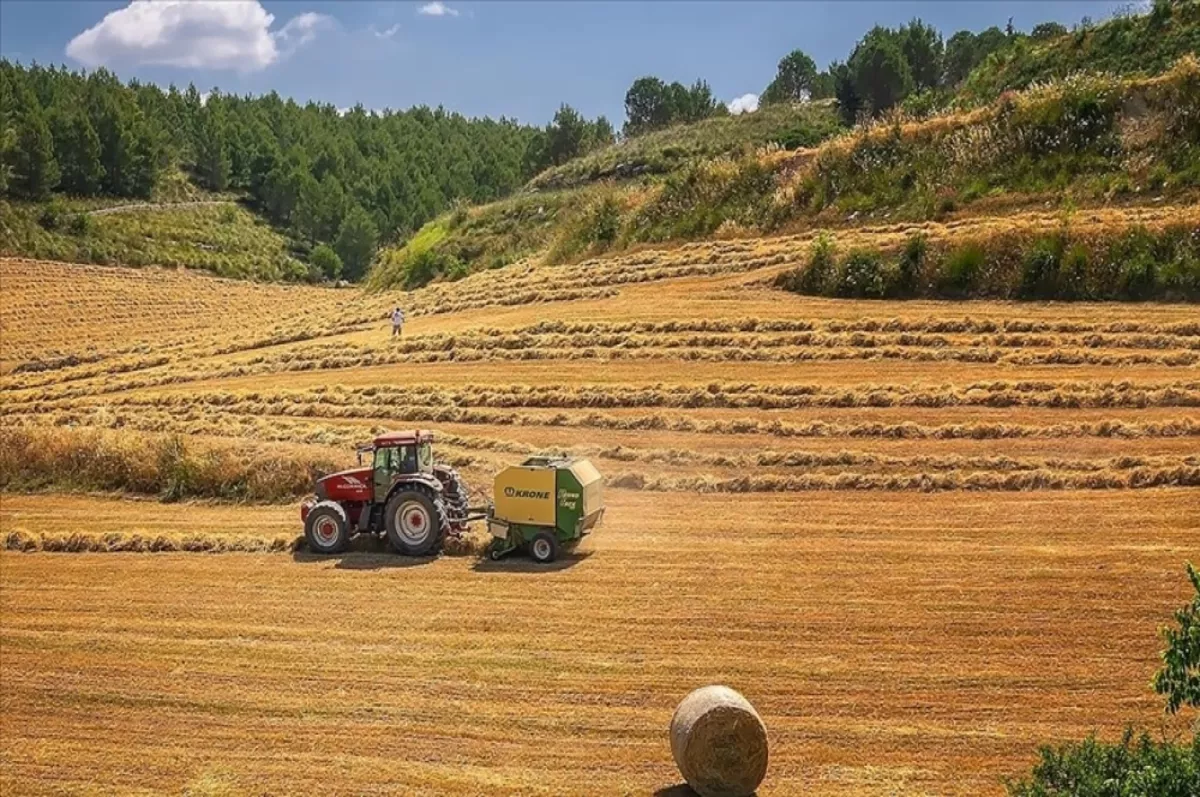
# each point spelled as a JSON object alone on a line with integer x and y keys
{"x": 356, "y": 243}
{"x": 77, "y": 150}
{"x": 212, "y": 152}
{"x": 35, "y": 171}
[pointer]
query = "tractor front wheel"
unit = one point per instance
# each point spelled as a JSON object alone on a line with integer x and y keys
{"x": 325, "y": 529}
{"x": 543, "y": 547}
{"x": 415, "y": 522}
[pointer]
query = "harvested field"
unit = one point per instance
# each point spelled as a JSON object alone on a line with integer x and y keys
{"x": 887, "y": 641}
{"x": 921, "y": 537}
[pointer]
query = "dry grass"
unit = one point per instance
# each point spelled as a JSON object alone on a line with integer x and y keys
{"x": 921, "y": 537}
{"x": 893, "y": 643}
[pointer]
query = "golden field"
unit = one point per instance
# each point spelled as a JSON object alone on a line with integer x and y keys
{"x": 921, "y": 537}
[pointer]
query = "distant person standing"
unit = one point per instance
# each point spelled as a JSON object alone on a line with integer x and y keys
{"x": 397, "y": 322}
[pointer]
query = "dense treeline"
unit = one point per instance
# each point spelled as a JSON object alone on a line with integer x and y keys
{"x": 915, "y": 66}
{"x": 344, "y": 179}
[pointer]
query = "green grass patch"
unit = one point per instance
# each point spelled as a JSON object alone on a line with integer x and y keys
{"x": 226, "y": 239}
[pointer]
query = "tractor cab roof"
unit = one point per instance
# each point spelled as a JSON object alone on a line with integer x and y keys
{"x": 406, "y": 438}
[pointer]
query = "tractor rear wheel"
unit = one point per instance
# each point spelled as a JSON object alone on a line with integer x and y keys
{"x": 543, "y": 547}
{"x": 416, "y": 522}
{"x": 325, "y": 529}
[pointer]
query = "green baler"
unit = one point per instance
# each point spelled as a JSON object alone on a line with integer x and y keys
{"x": 545, "y": 503}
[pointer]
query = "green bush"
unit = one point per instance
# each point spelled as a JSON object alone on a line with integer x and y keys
{"x": 861, "y": 275}
{"x": 961, "y": 269}
{"x": 1073, "y": 273}
{"x": 325, "y": 260}
{"x": 79, "y": 224}
{"x": 52, "y": 214}
{"x": 607, "y": 221}
{"x": 1039, "y": 269}
{"x": 821, "y": 266}
{"x": 1132, "y": 768}
{"x": 459, "y": 213}
{"x": 1179, "y": 678}
{"x": 910, "y": 266}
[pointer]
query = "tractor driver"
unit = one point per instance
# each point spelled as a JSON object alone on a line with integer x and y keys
{"x": 401, "y": 459}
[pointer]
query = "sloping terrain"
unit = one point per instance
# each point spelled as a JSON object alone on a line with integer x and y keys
{"x": 1088, "y": 141}
{"x": 923, "y": 537}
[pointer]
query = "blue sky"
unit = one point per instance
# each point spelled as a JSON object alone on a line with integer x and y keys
{"x": 479, "y": 58}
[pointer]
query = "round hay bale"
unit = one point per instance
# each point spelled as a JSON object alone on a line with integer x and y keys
{"x": 719, "y": 743}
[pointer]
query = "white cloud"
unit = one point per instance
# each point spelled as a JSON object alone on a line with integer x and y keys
{"x": 386, "y": 34}
{"x": 747, "y": 103}
{"x": 437, "y": 9}
{"x": 300, "y": 30}
{"x": 195, "y": 34}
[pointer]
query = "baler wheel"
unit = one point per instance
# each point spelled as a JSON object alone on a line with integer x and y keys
{"x": 543, "y": 547}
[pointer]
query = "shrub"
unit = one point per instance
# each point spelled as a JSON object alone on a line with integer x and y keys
{"x": 960, "y": 270}
{"x": 1039, "y": 269}
{"x": 821, "y": 266}
{"x": 459, "y": 213}
{"x": 1133, "y": 767}
{"x": 910, "y": 266}
{"x": 52, "y": 214}
{"x": 79, "y": 224}
{"x": 1180, "y": 274}
{"x": 326, "y": 261}
{"x": 607, "y": 221}
{"x": 1179, "y": 679}
{"x": 1138, "y": 275}
{"x": 861, "y": 275}
{"x": 1073, "y": 273}
{"x": 227, "y": 215}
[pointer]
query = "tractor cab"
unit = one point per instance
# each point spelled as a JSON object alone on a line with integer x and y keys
{"x": 396, "y": 455}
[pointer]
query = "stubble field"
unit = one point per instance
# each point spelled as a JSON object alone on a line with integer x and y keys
{"x": 921, "y": 537}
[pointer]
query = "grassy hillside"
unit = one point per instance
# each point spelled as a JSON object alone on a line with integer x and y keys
{"x": 216, "y": 235}
{"x": 1085, "y": 139}
{"x": 1131, "y": 45}
{"x": 787, "y": 126}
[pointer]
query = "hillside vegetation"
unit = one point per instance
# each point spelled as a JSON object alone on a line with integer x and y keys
{"x": 1132, "y": 44}
{"x": 790, "y": 126}
{"x": 220, "y": 236}
{"x": 1086, "y": 139}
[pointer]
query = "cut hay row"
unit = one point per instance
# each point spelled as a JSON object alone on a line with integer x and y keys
{"x": 116, "y": 542}
{"x": 1075, "y": 394}
{"x": 931, "y": 324}
{"x": 119, "y": 542}
{"x": 730, "y": 351}
{"x": 262, "y": 420}
{"x": 461, "y": 450}
{"x": 769, "y": 351}
{"x": 1138, "y": 478}
{"x": 434, "y": 403}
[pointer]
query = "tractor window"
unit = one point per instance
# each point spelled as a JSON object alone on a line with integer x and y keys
{"x": 394, "y": 460}
{"x": 425, "y": 457}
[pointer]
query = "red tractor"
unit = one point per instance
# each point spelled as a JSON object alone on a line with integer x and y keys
{"x": 403, "y": 495}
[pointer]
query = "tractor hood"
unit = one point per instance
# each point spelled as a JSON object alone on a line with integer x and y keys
{"x": 347, "y": 485}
